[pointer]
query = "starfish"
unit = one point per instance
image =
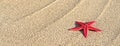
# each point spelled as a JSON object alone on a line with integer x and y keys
{"x": 85, "y": 27}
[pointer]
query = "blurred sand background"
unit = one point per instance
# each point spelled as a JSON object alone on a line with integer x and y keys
{"x": 46, "y": 22}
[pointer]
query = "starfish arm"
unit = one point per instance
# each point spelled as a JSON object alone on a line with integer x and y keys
{"x": 86, "y": 32}
{"x": 94, "y": 29}
{"x": 81, "y": 23}
{"x": 76, "y": 28}
{"x": 91, "y": 23}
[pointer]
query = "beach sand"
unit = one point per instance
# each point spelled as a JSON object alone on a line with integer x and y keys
{"x": 46, "y": 22}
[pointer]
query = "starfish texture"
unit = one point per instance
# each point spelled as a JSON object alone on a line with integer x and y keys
{"x": 85, "y": 27}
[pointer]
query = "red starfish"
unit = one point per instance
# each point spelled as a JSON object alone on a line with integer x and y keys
{"x": 85, "y": 27}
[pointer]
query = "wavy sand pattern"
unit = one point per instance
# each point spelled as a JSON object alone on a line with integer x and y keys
{"x": 46, "y": 22}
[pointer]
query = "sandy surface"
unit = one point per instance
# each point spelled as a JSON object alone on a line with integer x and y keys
{"x": 46, "y": 22}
